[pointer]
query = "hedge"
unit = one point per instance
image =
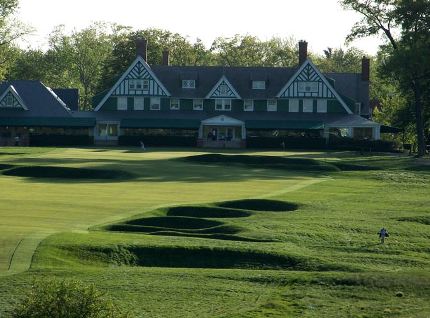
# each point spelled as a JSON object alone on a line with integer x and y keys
{"x": 154, "y": 141}
{"x": 61, "y": 140}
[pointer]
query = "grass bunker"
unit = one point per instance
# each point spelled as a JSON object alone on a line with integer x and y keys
{"x": 260, "y": 205}
{"x": 207, "y": 212}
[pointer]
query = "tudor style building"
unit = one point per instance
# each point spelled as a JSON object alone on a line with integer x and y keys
{"x": 213, "y": 106}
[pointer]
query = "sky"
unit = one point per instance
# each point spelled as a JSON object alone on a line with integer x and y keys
{"x": 323, "y": 23}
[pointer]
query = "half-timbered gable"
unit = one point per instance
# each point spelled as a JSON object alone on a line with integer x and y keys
{"x": 308, "y": 82}
{"x": 10, "y": 99}
{"x": 223, "y": 89}
{"x": 138, "y": 80}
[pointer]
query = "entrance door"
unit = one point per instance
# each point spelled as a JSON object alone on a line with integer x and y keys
{"x": 107, "y": 132}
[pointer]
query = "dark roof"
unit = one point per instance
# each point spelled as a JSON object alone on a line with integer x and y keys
{"x": 70, "y": 96}
{"x": 37, "y": 98}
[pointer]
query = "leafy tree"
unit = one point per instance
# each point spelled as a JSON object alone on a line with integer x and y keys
{"x": 65, "y": 299}
{"x": 405, "y": 54}
{"x": 339, "y": 60}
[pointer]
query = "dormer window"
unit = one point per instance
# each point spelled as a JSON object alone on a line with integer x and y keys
{"x": 258, "y": 84}
{"x": 9, "y": 100}
{"x": 188, "y": 84}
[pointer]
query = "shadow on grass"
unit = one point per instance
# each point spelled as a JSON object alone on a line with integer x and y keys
{"x": 206, "y": 212}
{"x": 5, "y": 166}
{"x": 47, "y": 172}
{"x": 260, "y": 205}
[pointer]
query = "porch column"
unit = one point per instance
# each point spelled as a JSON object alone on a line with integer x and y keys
{"x": 350, "y": 132}
{"x": 201, "y": 132}
{"x": 243, "y": 132}
{"x": 326, "y": 134}
{"x": 376, "y": 133}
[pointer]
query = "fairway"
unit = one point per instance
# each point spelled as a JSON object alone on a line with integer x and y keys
{"x": 187, "y": 233}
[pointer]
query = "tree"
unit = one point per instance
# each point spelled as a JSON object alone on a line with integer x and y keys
{"x": 339, "y": 60}
{"x": 65, "y": 299}
{"x": 404, "y": 54}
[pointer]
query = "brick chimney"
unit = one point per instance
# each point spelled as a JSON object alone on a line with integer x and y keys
{"x": 365, "y": 69}
{"x": 303, "y": 52}
{"x": 141, "y": 48}
{"x": 166, "y": 57}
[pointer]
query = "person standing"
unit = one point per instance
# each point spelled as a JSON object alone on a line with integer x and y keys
{"x": 383, "y": 233}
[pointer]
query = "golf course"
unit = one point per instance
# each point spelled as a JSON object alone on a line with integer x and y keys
{"x": 229, "y": 233}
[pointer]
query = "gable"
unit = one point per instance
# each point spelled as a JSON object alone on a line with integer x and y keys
{"x": 223, "y": 89}
{"x": 138, "y": 80}
{"x": 308, "y": 82}
{"x": 10, "y": 99}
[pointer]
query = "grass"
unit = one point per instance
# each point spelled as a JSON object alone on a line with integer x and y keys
{"x": 207, "y": 241}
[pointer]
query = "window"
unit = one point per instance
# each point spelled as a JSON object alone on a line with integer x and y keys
{"x": 122, "y": 103}
{"x": 321, "y": 105}
{"x": 138, "y": 84}
{"x": 258, "y": 84}
{"x": 9, "y": 100}
{"x": 198, "y": 104}
{"x": 223, "y": 104}
{"x": 223, "y": 89}
{"x": 308, "y": 105}
{"x": 155, "y": 103}
{"x": 248, "y": 105}
{"x": 293, "y": 106}
{"x": 188, "y": 84}
{"x": 272, "y": 105}
{"x": 307, "y": 87}
{"x": 174, "y": 104}
{"x": 139, "y": 103}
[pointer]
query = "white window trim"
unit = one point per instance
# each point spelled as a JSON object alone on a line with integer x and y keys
{"x": 223, "y": 104}
{"x": 322, "y": 106}
{"x": 152, "y": 103}
{"x": 275, "y": 105}
{"x": 258, "y": 87}
{"x": 189, "y": 87}
{"x": 252, "y": 105}
{"x": 306, "y": 101}
{"x": 135, "y": 103}
{"x": 179, "y": 104}
{"x": 294, "y": 102}
{"x": 122, "y": 103}
{"x": 194, "y": 104}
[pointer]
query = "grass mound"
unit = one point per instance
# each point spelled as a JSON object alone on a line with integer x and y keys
{"x": 260, "y": 205}
{"x": 66, "y": 173}
{"x": 206, "y": 212}
{"x": 175, "y": 222}
{"x": 201, "y": 257}
{"x": 268, "y": 162}
{"x": 220, "y": 229}
{"x": 417, "y": 219}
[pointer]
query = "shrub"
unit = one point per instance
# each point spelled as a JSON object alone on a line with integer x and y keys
{"x": 65, "y": 299}
{"x": 61, "y": 140}
{"x": 154, "y": 141}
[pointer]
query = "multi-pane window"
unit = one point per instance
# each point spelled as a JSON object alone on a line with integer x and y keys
{"x": 258, "y": 85}
{"x": 272, "y": 105}
{"x": 198, "y": 104}
{"x": 122, "y": 103}
{"x": 321, "y": 105}
{"x": 174, "y": 104}
{"x": 223, "y": 104}
{"x": 223, "y": 89}
{"x": 188, "y": 84}
{"x": 155, "y": 103}
{"x": 293, "y": 106}
{"x": 139, "y": 103}
{"x": 9, "y": 100}
{"x": 138, "y": 84}
{"x": 248, "y": 105}
{"x": 308, "y": 105}
{"x": 307, "y": 87}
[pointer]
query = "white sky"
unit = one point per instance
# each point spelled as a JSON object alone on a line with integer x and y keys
{"x": 323, "y": 23}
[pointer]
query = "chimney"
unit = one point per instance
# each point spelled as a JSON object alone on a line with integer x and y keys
{"x": 365, "y": 69}
{"x": 303, "y": 52}
{"x": 166, "y": 57}
{"x": 141, "y": 48}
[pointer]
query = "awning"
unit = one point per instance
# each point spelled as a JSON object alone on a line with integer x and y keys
{"x": 58, "y": 122}
{"x": 390, "y": 130}
{"x": 283, "y": 124}
{"x": 160, "y": 123}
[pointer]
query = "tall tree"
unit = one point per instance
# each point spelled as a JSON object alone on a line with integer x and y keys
{"x": 404, "y": 53}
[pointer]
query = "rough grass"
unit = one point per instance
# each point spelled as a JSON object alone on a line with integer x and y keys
{"x": 417, "y": 219}
{"x": 40, "y": 172}
{"x": 261, "y": 205}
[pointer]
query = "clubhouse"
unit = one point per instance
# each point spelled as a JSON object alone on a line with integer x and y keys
{"x": 203, "y": 106}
